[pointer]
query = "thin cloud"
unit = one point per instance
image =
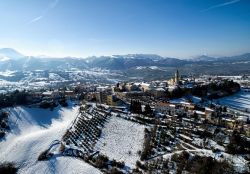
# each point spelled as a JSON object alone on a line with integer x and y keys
{"x": 35, "y": 19}
{"x": 50, "y": 7}
{"x": 221, "y": 5}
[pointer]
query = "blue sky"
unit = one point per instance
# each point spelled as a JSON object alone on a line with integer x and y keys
{"x": 174, "y": 28}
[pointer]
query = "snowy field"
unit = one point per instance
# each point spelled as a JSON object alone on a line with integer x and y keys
{"x": 121, "y": 140}
{"x": 240, "y": 100}
{"x": 32, "y": 131}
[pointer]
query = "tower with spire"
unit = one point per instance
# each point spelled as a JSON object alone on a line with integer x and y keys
{"x": 177, "y": 77}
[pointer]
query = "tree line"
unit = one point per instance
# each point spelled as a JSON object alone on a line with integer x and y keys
{"x": 14, "y": 98}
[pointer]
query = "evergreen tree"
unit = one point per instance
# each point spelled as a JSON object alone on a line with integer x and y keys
{"x": 148, "y": 110}
{"x": 135, "y": 106}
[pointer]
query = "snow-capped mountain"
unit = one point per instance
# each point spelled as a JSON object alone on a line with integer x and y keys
{"x": 11, "y": 60}
{"x": 9, "y": 53}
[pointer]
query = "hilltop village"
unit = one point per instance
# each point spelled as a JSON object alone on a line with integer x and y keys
{"x": 148, "y": 127}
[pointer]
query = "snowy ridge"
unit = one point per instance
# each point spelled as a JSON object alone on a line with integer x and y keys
{"x": 32, "y": 131}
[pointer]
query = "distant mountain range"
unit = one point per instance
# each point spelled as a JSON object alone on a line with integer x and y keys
{"x": 9, "y": 53}
{"x": 11, "y": 59}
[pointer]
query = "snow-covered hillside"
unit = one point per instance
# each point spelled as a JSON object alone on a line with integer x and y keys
{"x": 240, "y": 100}
{"x": 121, "y": 140}
{"x": 32, "y": 131}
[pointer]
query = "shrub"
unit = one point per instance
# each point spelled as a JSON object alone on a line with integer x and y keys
{"x": 8, "y": 168}
{"x": 115, "y": 171}
{"x": 120, "y": 164}
{"x": 2, "y": 134}
{"x": 45, "y": 155}
{"x": 4, "y": 115}
{"x": 129, "y": 152}
{"x": 100, "y": 164}
{"x": 4, "y": 125}
{"x": 113, "y": 162}
{"x": 140, "y": 165}
{"x": 62, "y": 148}
{"x": 136, "y": 171}
{"x": 175, "y": 157}
{"x": 101, "y": 161}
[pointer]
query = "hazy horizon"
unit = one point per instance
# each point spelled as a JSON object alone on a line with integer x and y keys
{"x": 113, "y": 55}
